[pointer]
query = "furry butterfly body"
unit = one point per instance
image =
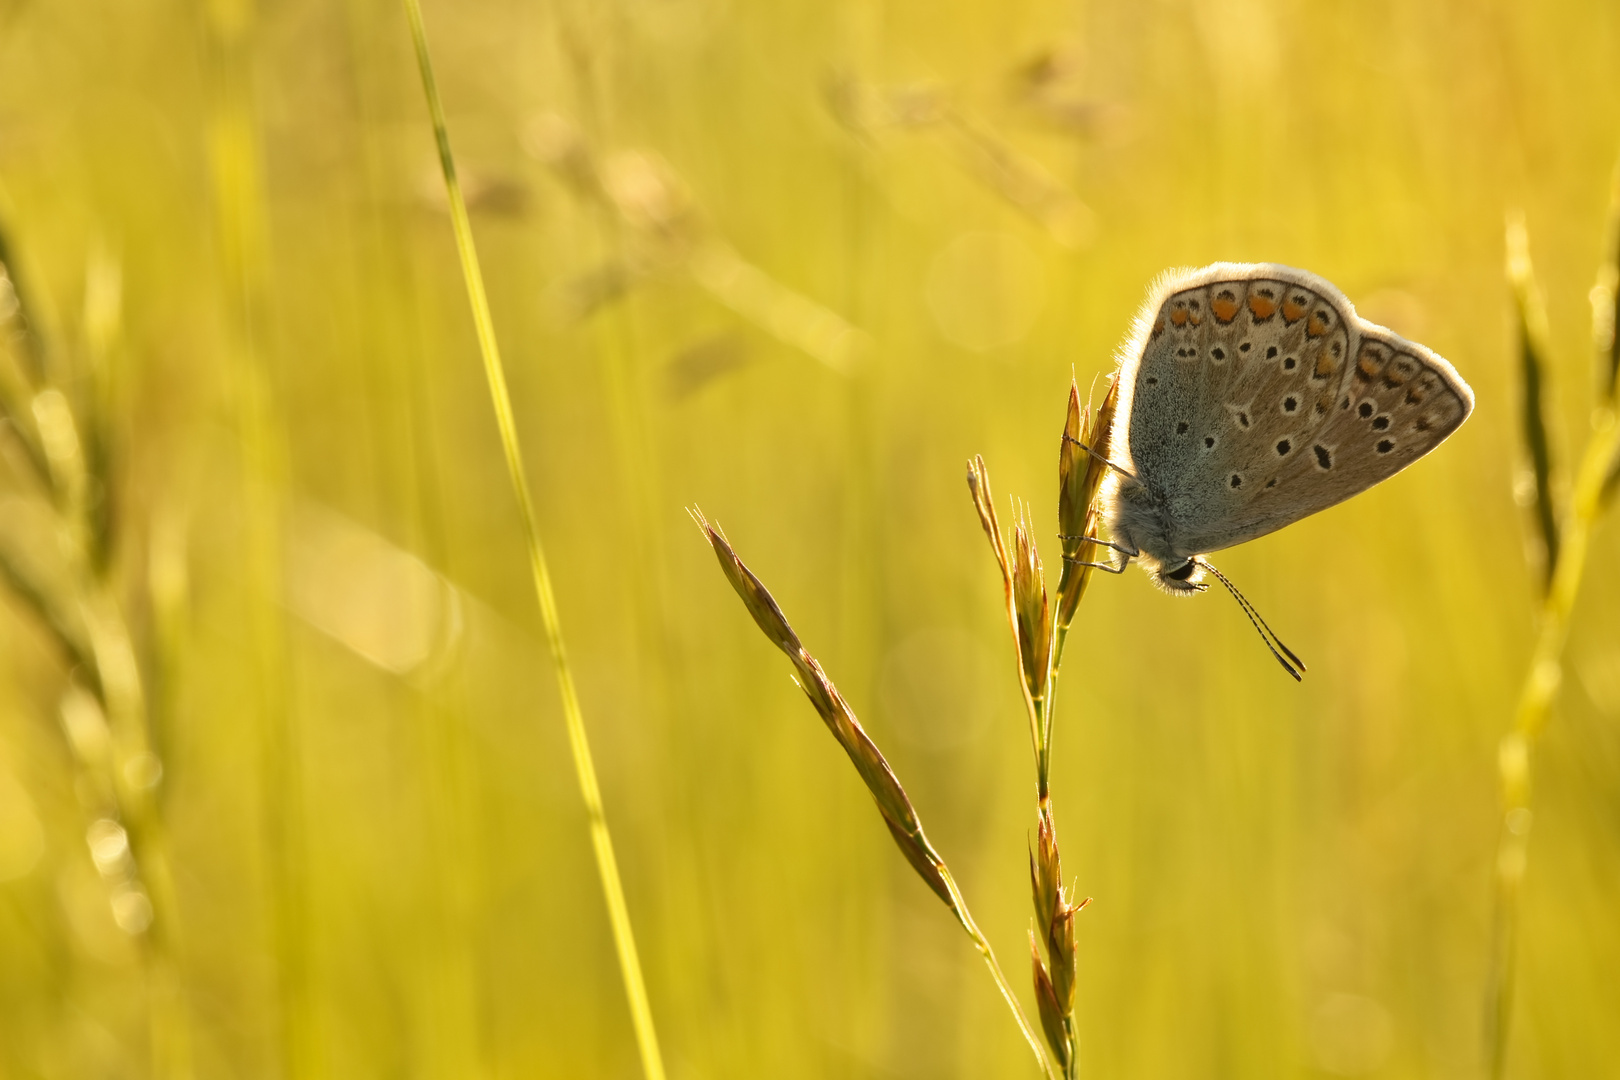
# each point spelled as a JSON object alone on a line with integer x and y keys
{"x": 1252, "y": 395}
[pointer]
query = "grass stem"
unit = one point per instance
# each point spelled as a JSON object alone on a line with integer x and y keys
{"x": 104, "y": 710}
{"x": 1517, "y": 750}
{"x": 960, "y": 909}
{"x": 895, "y": 806}
{"x": 236, "y": 171}
{"x": 494, "y": 373}
{"x": 1567, "y": 547}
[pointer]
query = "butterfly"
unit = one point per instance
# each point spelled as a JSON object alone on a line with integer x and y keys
{"x": 1251, "y": 395}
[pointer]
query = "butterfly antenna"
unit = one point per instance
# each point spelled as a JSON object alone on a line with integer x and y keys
{"x": 1293, "y": 664}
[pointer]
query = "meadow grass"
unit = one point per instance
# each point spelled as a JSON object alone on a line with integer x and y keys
{"x": 590, "y": 791}
{"x": 881, "y": 783}
{"x": 236, "y": 175}
{"x": 794, "y": 262}
{"x": 1565, "y": 539}
{"x": 61, "y": 555}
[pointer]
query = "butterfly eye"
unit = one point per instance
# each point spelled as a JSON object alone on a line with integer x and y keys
{"x": 1182, "y": 572}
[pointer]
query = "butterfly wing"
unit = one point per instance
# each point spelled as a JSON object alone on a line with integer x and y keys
{"x": 1258, "y": 397}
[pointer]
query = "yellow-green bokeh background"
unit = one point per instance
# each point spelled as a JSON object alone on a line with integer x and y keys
{"x": 1289, "y": 880}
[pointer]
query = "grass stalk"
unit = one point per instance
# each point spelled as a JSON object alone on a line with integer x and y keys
{"x": 1039, "y": 631}
{"x": 892, "y": 801}
{"x": 239, "y": 207}
{"x": 1567, "y": 558}
{"x": 495, "y": 375}
{"x": 1534, "y": 348}
{"x": 959, "y": 908}
{"x": 1515, "y": 755}
{"x": 447, "y": 997}
{"x": 104, "y": 709}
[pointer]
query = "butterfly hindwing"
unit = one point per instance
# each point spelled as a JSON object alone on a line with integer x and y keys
{"x": 1260, "y": 397}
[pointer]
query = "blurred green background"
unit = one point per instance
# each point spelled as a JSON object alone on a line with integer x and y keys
{"x": 794, "y": 262}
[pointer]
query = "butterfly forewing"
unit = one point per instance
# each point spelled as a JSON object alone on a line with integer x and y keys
{"x": 1260, "y": 397}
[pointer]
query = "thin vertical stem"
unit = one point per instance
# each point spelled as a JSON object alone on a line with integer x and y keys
{"x": 494, "y": 373}
{"x": 236, "y": 177}
{"x": 1535, "y": 705}
{"x": 960, "y": 910}
{"x": 1567, "y": 546}
{"x": 1533, "y": 358}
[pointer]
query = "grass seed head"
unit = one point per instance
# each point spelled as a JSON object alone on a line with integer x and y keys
{"x": 928, "y": 865}
{"x": 868, "y": 760}
{"x": 1072, "y": 458}
{"x": 1053, "y": 912}
{"x": 1060, "y": 950}
{"x": 1080, "y": 475}
{"x": 1045, "y": 870}
{"x": 755, "y": 597}
{"x": 978, "y": 479}
{"x": 1534, "y": 354}
{"x": 891, "y": 798}
{"x": 1097, "y": 435}
{"x": 1051, "y": 1009}
{"x": 1029, "y": 596}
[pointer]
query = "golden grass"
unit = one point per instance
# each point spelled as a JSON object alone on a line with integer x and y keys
{"x": 892, "y": 801}
{"x": 56, "y": 554}
{"x": 794, "y": 262}
{"x": 1566, "y": 539}
{"x": 607, "y": 864}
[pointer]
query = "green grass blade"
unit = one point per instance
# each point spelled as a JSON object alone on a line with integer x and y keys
{"x": 1515, "y": 758}
{"x": 590, "y": 791}
{"x": 1533, "y": 358}
{"x": 1606, "y": 301}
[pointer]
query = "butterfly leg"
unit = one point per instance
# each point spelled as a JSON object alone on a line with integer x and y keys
{"x": 1122, "y": 470}
{"x": 1110, "y": 567}
{"x": 1129, "y": 553}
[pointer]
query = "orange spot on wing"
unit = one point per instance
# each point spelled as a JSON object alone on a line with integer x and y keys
{"x": 1262, "y": 307}
{"x": 1225, "y": 306}
{"x": 1158, "y": 328}
{"x": 1317, "y": 326}
{"x": 1324, "y": 365}
{"x": 1179, "y": 316}
{"x": 1292, "y": 312}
